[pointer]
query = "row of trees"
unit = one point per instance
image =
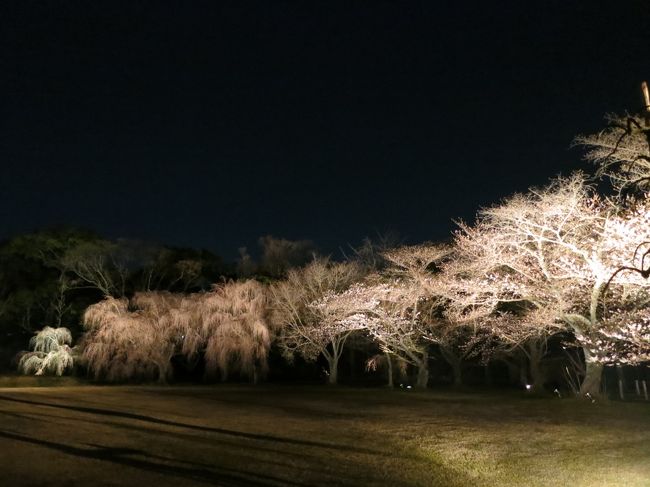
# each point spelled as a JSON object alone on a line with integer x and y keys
{"x": 50, "y": 277}
{"x": 556, "y": 264}
{"x": 559, "y": 261}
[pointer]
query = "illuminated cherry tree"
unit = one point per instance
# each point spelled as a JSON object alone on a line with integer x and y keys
{"x": 133, "y": 340}
{"x": 309, "y": 321}
{"x": 510, "y": 336}
{"x": 387, "y": 310}
{"x": 623, "y": 339}
{"x": 234, "y": 329}
{"x": 553, "y": 249}
{"x": 449, "y": 315}
{"x": 621, "y": 152}
{"x": 337, "y": 315}
{"x": 51, "y": 353}
{"x": 416, "y": 296}
{"x": 395, "y": 325}
{"x": 137, "y": 338}
{"x": 400, "y": 310}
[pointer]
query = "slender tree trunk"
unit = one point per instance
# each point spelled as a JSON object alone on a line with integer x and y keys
{"x": 164, "y": 373}
{"x": 535, "y": 350}
{"x": 261, "y": 370}
{"x": 523, "y": 374}
{"x": 389, "y": 365}
{"x": 333, "y": 357}
{"x": 591, "y": 384}
{"x": 593, "y": 376}
{"x": 333, "y": 377}
{"x": 423, "y": 376}
{"x": 537, "y": 375}
{"x": 488, "y": 375}
{"x": 423, "y": 372}
{"x": 456, "y": 364}
{"x": 620, "y": 376}
{"x": 457, "y": 369}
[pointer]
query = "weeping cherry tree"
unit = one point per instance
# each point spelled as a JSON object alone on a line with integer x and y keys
{"x": 51, "y": 353}
{"x": 137, "y": 338}
{"x": 234, "y": 330}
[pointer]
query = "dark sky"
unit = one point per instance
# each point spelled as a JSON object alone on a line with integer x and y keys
{"x": 207, "y": 123}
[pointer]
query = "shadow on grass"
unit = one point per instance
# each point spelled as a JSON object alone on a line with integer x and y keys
{"x": 324, "y": 461}
{"x": 192, "y": 438}
{"x": 126, "y": 457}
{"x": 223, "y": 431}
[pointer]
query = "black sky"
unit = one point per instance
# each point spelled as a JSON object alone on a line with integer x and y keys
{"x": 206, "y": 123}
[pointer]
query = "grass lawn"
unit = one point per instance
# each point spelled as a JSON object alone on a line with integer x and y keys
{"x": 286, "y": 435}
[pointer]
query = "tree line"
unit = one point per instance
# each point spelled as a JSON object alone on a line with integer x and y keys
{"x": 561, "y": 267}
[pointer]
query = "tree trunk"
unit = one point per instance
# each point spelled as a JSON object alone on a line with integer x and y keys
{"x": 621, "y": 382}
{"x": 389, "y": 364}
{"x": 455, "y": 362}
{"x": 536, "y": 352}
{"x": 523, "y": 374}
{"x": 537, "y": 375}
{"x": 423, "y": 376}
{"x": 260, "y": 371}
{"x": 488, "y": 375}
{"x": 423, "y": 372}
{"x": 164, "y": 374}
{"x": 457, "y": 369}
{"x": 333, "y": 377}
{"x": 591, "y": 382}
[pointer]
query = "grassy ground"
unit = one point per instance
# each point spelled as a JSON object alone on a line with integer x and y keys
{"x": 295, "y": 436}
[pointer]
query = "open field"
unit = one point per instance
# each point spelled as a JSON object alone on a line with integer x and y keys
{"x": 279, "y": 435}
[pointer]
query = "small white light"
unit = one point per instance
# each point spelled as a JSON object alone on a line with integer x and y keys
{"x": 528, "y": 386}
{"x": 409, "y": 387}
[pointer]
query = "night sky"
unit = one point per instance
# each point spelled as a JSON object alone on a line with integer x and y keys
{"x": 209, "y": 124}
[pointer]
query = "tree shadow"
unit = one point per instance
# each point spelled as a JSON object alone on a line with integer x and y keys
{"x": 196, "y": 439}
{"x": 222, "y": 431}
{"x": 126, "y": 457}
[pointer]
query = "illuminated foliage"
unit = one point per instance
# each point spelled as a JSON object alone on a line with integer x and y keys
{"x": 387, "y": 310}
{"x": 456, "y": 340}
{"x": 621, "y": 152}
{"x": 137, "y": 339}
{"x": 234, "y": 329}
{"x": 51, "y": 353}
{"x": 623, "y": 338}
{"x": 308, "y": 324}
{"x": 553, "y": 249}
